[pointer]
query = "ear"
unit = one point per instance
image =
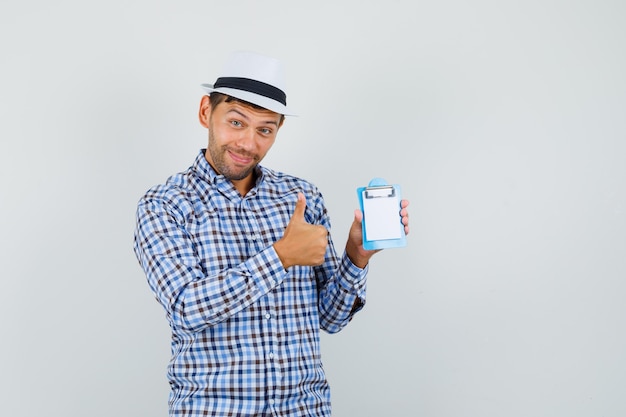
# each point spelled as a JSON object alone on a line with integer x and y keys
{"x": 204, "y": 113}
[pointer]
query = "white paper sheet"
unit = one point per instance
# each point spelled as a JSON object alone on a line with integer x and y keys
{"x": 381, "y": 214}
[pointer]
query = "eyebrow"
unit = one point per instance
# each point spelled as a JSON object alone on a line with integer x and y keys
{"x": 272, "y": 122}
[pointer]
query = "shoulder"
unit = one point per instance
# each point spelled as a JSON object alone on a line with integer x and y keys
{"x": 282, "y": 180}
{"x": 177, "y": 196}
{"x": 285, "y": 184}
{"x": 286, "y": 187}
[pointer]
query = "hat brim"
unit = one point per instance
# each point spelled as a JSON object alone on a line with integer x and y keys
{"x": 259, "y": 100}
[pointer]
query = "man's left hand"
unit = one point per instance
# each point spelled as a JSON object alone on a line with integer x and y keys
{"x": 354, "y": 247}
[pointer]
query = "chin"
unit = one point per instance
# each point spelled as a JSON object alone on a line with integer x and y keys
{"x": 238, "y": 175}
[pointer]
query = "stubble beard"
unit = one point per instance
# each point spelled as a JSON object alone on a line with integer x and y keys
{"x": 218, "y": 156}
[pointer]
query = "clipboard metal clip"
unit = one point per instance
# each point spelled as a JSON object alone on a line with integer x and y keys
{"x": 380, "y": 191}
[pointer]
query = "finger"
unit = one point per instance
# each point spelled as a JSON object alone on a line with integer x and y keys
{"x": 404, "y": 203}
{"x": 298, "y": 213}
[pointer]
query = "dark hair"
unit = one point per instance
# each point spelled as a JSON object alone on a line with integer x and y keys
{"x": 217, "y": 98}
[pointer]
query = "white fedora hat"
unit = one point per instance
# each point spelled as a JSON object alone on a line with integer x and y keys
{"x": 255, "y": 78}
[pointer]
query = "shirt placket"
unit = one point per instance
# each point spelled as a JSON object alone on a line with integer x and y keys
{"x": 267, "y": 304}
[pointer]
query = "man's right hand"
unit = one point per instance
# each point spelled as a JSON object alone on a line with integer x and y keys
{"x": 302, "y": 243}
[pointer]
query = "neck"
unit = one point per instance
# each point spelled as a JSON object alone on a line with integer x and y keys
{"x": 243, "y": 186}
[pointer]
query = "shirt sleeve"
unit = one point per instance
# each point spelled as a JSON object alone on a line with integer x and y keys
{"x": 193, "y": 300}
{"x": 342, "y": 295}
{"x": 342, "y": 285}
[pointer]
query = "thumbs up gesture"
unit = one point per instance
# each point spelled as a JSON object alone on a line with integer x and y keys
{"x": 302, "y": 243}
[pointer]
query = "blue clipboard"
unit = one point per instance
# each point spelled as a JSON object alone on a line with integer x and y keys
{"x": 382, "y": 224}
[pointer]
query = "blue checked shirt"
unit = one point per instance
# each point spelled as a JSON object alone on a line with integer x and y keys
{"x": 245, "y": 331}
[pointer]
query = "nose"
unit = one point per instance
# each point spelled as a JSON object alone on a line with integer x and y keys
{"x": 246, "y": 139}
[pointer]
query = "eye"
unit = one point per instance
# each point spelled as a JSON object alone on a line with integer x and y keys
{"x": 265, "y": 131}
{"x": 236, "y": 123}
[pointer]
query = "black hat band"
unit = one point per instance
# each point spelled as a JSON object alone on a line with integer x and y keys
{"x": 252, "y": 86}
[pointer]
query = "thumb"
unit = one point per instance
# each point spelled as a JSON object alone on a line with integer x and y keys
{"x": 356, "y": 227}
{"x": 298, "y": 213}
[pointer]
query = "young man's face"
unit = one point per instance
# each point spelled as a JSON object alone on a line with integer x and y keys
{"x": 239, "y": 137}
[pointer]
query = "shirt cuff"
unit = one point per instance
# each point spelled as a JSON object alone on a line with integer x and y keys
{"x": 351, "y": 276}
{"x": 266, "y": 269}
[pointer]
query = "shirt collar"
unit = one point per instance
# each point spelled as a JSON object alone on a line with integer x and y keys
{"x": 204, "y": 170}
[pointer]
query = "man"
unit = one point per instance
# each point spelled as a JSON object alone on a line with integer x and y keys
{"x": 241, "y": 259}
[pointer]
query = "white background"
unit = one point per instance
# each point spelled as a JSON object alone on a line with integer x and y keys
{"x": 504, "y": 122}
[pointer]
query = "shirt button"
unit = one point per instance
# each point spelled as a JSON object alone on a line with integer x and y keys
{"x": 271, "y": 355}
{"x": 254, "y": 237}
{"x": 268, "y": 316}
{"x": 272, "y": 401}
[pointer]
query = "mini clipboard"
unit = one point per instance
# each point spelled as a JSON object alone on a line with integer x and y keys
{"x": 382, "y": 224}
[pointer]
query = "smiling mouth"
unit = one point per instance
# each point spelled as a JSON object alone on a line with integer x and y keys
{"x": 240, "y": 159}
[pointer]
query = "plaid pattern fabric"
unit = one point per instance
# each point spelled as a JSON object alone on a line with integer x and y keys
{"x": 245, "y": 331}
